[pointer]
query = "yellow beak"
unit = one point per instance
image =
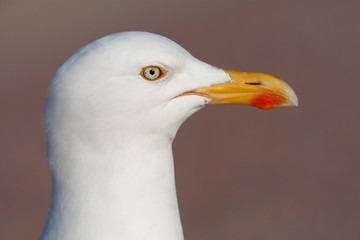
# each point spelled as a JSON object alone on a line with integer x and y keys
{"x": 255, "y": 89}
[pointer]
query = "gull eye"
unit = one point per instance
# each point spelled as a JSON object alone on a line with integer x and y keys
{"x": 152, "y": 73}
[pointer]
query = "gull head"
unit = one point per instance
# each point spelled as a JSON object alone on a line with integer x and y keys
{"x": 146, "y": 84}
{"x": 112, "y": 111}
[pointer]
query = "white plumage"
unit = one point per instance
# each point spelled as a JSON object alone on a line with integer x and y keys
{"x": 109, "y": 135}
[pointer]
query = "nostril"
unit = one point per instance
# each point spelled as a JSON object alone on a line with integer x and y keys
{"x": 253, "y": 83}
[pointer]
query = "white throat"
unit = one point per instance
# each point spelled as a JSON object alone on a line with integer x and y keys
{"x": 131, "y": 195}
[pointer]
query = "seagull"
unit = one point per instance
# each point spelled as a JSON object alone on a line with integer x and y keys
{"x": 111, "y": 115}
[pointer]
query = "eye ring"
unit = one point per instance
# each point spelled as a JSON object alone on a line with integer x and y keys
{"x": 152, "y": 73}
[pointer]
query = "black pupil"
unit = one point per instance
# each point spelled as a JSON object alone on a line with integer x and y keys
{"x": 152, "y": 71}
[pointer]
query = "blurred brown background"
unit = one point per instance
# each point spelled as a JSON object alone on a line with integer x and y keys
{"x": 242, "y": 173}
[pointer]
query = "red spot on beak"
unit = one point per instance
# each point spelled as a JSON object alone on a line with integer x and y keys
{"x": 266, "y": 101}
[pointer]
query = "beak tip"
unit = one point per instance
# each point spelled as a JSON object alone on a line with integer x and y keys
{"x": 293, "y": 100}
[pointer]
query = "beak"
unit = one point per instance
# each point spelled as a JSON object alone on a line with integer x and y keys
{"x": 255, "y": 89}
